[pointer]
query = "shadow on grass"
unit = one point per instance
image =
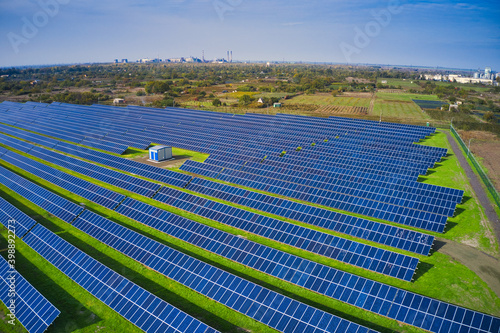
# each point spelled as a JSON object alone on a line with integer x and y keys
{"x": 449, "y": 226}
{"x": 422, "y": 268}
{"x": 436, "y": 246}
{"x": 458, "y": 211}
{"x": 74, "y": 315}
{"x": 465, "y": 198}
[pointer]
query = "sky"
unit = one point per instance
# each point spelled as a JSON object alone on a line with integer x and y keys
{"x": 395, "y": 32}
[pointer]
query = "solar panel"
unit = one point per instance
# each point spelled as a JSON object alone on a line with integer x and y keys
{"x": 361, "y": 228}
{"x": 343, "y": 250}
{"x": 261, "y": 304}
{"x": 43, "y": 140}
{"x": 54, "y": 204}
{"x": 14, "y": 143}
{"x": 363, "y": 293}
{"x": 112, "y": 177}
{"x": 32, "y": 310}
{"x": 83, "y": 188}
{"x": 17, "y": 222}
{"x": 137, "y": 305}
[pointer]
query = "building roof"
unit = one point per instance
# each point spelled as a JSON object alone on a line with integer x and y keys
{"x": 155, "y": 148}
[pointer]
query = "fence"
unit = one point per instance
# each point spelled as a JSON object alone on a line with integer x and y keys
{"x": 478, "y": 167}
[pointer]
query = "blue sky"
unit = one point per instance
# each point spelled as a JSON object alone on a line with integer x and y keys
{"x": 427, "y": 33}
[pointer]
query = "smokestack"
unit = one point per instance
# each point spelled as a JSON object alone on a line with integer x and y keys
{"x": 203, "y": 55}
{"x": 231, "y": 56}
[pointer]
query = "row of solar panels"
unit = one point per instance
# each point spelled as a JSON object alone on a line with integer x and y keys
{"x": 414, "y": 309}
{"x": 164, "y": 116}
{"x": 398, "y": 214}
{"x": 145, "y": 310}
{"x": 354, "y": 253}
{"x": 445, "y": 206}
{"x": 145, "y": 188}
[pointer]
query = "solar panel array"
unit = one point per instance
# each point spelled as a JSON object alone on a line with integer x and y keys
{"x": 273, "y": 309}
{"x": 361, "y": 228}
{"x": 83, "y": 188}
{"x": 17, "y": 144}
{"x": 54, "y": 204}
{"x": 365, "y": 167}
{"x": 42, "y": 140}
{"x": 394, "y": 213}
{"x": 32, "y": 310}
{"x": 261, "y": 304}
{"x": 347, "y": 251}
{"x": 115, "y": 178}
{"x": 394, "y": 236}
{"x": 395, "y": 303}
{"x": 20, "y": 223}
{"x": 137, "y": 305}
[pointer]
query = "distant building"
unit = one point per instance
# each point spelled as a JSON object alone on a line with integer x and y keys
{"x": 277, "y": 105}
{"x": 261, "y": 101}
{"x": 116, "y": 61}
{"x": 118, "y": 101}
{"x": 462, "y": 79}
{"x": 124, "y": 61}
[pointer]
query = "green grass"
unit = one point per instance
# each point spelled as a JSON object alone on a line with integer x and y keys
{"x": 326, "y": 99}
{"x": 402, "y": 110}
{"x": 404, "y": 83}
{"x": 405, "y": 97}
{"x": 468, "y": 225}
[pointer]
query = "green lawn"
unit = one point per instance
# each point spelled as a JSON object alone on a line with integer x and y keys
{"x": 404, "y": 97}
{"x": 404, "y": 83}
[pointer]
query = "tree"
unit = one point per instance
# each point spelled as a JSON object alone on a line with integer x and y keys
{"x": 489, "y": 117}
{"x": 245, "y": 99}
{"x": 216, "y": 102}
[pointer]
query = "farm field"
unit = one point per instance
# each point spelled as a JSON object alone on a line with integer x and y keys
{"x": 328, "y": 99}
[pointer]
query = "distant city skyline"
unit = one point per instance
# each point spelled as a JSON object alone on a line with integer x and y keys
{"x": 447, "y": 34}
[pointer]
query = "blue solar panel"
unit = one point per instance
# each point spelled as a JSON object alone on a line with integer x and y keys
{"x": 349, "y": 288}
{"x": 83, "y": 188}
{"x": 43, "y": 140}
{"x": 54, "y": 204}
{"x": 14, "y": 143}
{"x": 137, "y": 305}
{"x": 149, "y": 171}
{"x": 32, "y": 310}
{"x": 14, "y": 220}
{"x": 243, "y": 296}
{"x": 112, "y": 177}
{"x": 347, "y": 251}
{"x": 377, "y": 232}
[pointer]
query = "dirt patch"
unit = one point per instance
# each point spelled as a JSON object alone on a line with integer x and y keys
{"x": 355, "y": 94}
{"x": 341, "y": 109}
{"x": 486, "y": 146}
{"x": 484, "y": 265}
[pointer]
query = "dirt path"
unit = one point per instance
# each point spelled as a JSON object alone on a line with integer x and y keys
{"x": 484, "y": 265}
{"x": 476, "y": 186}
{"x": 372, "y": 104}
